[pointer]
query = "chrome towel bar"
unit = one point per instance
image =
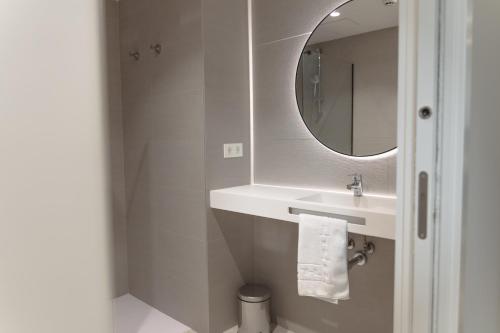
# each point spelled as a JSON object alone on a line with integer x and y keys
{"x": 349, "y": 219}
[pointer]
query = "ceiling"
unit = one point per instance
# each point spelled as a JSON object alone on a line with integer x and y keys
{"x": 356, "y": 17}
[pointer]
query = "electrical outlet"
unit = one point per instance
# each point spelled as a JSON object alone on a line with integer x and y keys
{"x": 232, "y": 150}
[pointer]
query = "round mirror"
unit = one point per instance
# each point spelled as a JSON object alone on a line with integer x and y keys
{"x": 346, "y": 82}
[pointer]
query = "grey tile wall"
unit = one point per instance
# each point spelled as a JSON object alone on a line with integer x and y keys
{"x": 285, "y": 151}
{"x": 227, "y": 119}
{"x": 164, "y": 138}
{"x": 371, "y": 286}
{"x": 115, "y": 124}
{"x": 179, "y": 109}
{"x": 287, "y": 154}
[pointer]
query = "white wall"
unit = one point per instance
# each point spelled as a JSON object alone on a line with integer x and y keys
{"x": 54, "y": 237}
{"x": 480, "y": 297}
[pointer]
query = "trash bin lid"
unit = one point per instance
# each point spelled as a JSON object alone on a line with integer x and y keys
{"x": 254, "y": 293}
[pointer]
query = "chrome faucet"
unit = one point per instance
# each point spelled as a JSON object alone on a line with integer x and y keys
{"x": 357, "y": 185}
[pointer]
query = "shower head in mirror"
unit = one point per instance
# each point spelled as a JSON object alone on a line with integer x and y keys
{"x": 346, "y": 80}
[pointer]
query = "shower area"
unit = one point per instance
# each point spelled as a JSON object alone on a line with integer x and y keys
{"x": 174, "y": 80}
{"x": 325, "y": 93}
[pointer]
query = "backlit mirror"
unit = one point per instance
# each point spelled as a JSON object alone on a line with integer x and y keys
{"x": 346, "y": 82}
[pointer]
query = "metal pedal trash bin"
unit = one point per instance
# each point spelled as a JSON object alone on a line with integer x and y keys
{"x": 254, "y": 309}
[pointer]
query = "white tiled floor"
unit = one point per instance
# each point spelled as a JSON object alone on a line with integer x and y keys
{"x": 278, "y": 329}
{"x": 134, "y": 316}
{"x": 131, "y": 315}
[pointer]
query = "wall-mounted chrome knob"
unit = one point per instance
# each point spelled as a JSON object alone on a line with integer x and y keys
{"x": 135, "y": 55}
{"x": 156, "y": 48}
{"x": 369, "y": 247}
{"x": 351, "y": 244}
{"x": 359, "y": 259}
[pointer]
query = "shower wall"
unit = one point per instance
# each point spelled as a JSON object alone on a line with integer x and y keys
{"x": 164, "y": 157}
{"x": 183, "y": 258}
{"x": 115, "y": 133}
{"x": 324, "y": 89}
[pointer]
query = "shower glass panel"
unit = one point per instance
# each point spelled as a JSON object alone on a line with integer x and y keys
{"x": 325, "y": 89}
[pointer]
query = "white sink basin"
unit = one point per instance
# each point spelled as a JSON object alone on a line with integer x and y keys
{"x": 369, "y": 215}
{"x": 372, "y": 203}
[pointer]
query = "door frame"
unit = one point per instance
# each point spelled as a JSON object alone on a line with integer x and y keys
{"x": 403, "y": 281}
{"x": 427, "y": 272}
{"x": 455, "y": 54}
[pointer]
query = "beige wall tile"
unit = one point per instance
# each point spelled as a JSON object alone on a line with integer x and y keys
{"x": 115, "y": 134}
{"x": 371, "y": 286}
{"x": 227, "y": 120}
{"x": 164, "y": 157}
{"x": 279, "y": 19}
{"x": 287, "y": 154}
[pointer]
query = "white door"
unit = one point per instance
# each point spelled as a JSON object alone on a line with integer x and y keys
{"x": 54, "y": 231}
{"x": 447, "y": 267}
{"x": 467, "y": 295}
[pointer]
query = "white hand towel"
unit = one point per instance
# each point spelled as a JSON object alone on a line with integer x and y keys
{"x": 322, "y": 258}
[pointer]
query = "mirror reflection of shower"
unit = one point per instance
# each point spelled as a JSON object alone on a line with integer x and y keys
{"x": 324, "y": 90}
{"x": 346, "y": 79}
{"x": 312, "y": 73}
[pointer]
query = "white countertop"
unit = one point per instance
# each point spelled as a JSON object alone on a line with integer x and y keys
{"x": 370, "y": 215}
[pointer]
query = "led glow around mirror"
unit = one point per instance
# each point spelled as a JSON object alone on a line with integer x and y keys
{"x": 346, "y": 82}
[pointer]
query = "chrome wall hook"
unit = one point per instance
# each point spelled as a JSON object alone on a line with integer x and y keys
{"x": 156, "y": 48}
{"x": 136, "y": 55}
